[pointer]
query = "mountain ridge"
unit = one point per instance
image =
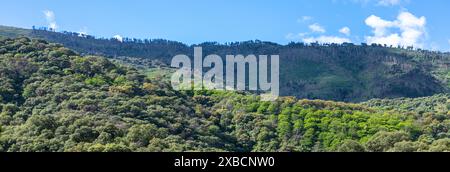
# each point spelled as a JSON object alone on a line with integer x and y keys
{"x": 347, "y": 72}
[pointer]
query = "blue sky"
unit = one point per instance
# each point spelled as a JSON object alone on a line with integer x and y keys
{"x": 398, "y": 22}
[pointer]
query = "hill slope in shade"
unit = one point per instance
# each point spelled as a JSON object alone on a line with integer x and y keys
{"x": 331, "y": 72}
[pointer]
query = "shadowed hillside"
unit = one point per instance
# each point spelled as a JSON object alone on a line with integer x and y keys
{"x": 345, "y": 72}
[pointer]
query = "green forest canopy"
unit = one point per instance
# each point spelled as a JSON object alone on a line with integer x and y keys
{"x": 53, "y": 99}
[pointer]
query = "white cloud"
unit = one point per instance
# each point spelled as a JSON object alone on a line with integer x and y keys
{"x": 118, "y": 38}
{"x": 304, "y": 19}
{"x": 379, "y": 25}
{"x": 327, "y": 39}
{"x": 83, "y": 32}
{"x": 51, "y": 19}
{"x": 345, "y": 31}
{"x": 292, "y": 36}
{"x": 317, "y": 28}
{"x": 377, "y": 2}
{"x": 406, "y": 30}
{"x": 389, "y": 2}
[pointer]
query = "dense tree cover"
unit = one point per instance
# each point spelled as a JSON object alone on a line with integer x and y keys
{"x": 52, "y": 99}
{"x": 347, "y": 72}
{"x": 432, "y": 113}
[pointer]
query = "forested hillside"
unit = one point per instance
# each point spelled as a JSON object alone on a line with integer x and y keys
{"x": 347, "y": 72}
{"x": 54, "y": 99}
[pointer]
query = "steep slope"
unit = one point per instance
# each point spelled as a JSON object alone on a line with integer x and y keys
{"x": 52, "y": 99}
{"x": 13, "y": 32}
{"x": 332, "y": 72}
